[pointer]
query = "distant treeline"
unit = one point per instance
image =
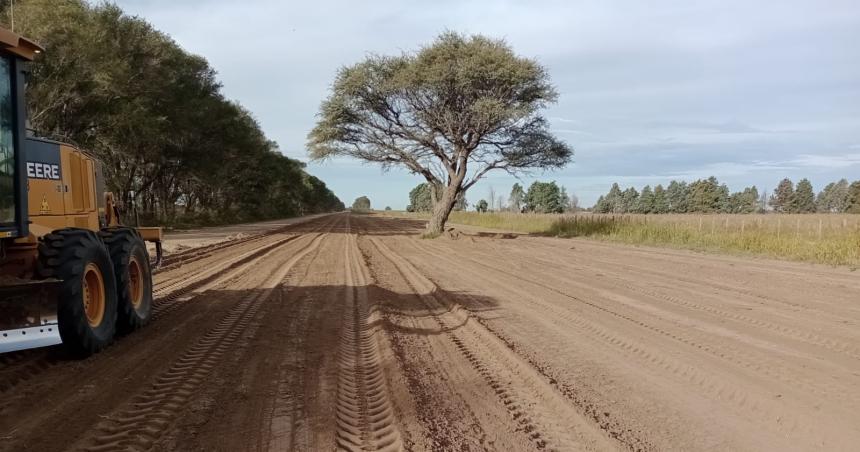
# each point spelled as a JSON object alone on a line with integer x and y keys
{"x": 155, "y": 116}
{"x": 709, "y": 196}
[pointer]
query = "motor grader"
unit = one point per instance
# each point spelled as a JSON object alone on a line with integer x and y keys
{"x": 69, "y": 271}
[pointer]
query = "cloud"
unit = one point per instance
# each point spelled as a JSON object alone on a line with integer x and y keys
{"x": 827, "y": 161}
{"x": 747, "y": 91}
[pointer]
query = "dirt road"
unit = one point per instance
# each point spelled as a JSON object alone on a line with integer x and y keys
{"x": 348, "y": 332}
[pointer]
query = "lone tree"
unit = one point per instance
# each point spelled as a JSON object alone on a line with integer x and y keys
{"x": 361, "y": 203}
{"x": 451, "y": 112}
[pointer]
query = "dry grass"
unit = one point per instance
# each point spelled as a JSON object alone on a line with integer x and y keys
{"x": 829, "y": 239}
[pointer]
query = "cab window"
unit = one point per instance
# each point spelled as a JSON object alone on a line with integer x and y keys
{"x": 7, "y": 150}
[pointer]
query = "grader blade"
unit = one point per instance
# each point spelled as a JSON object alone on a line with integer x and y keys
{"x": 28, "y": 314}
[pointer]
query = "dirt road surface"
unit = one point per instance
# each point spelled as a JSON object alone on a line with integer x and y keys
{"x": 348, "y": 332}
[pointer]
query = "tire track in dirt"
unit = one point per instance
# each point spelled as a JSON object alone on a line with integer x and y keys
{"x": 531, "y": 401}
{"x": 365, "y": 417}
{"x": 168, "y": 296}
{"x": 763, "y": 364}
{"x": 807, "y": 336}
{"x": 251, "y": 402}
{"x": 28, "y": 364}
{"x": 757, "y": 407}
{"x": 703, "y": 278}
{"x": 138, "y": 425}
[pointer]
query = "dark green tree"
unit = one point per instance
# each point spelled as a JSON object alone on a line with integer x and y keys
{"x": 661, "y": 204}
{"x": 647, "y": 200}
{"x": 614, "y": 201}
{"x": 544, "y": 197}
{"x": 677, "y": 194}
{"x": 853, "y": 204}
{"x": 361, "y": 203}
{"x": 420, "y": 199}
{"x": 803, "y": 200}
{"x": 601, "y": 206}
{"x": 705, "y": 196}
{"x": 834, "y": 197}
{"x": 780, "y": 201}
{"x": 481, "y": 206}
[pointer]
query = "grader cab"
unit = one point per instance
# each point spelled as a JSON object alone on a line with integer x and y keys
{"x": 69, "y": 271}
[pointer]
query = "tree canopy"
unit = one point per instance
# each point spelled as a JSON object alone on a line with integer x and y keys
{"x": 451, "y": 112}
{"x": 361, "y": 203}
{"x": 421, "y": 200}
{"x": 545, "y": 197}
{"x": 710, "y": 196}
{"x": 155, "y": 117}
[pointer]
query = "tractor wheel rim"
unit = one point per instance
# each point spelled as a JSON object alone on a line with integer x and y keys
{"x": 135, "y": 282}
{"x": 94, "y": 295}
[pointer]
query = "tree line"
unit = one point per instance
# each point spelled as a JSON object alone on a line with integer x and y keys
{"x": 541, "y": 197}
{"x": 155, "y": 117}
{"x": 710, "y": 196}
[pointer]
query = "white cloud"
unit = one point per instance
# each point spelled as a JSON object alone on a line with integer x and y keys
{"x": 827, "y": 161}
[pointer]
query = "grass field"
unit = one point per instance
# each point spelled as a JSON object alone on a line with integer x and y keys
{"x": 829, "y": 239}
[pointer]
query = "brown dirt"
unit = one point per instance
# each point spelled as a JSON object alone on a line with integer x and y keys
{"x": 349, "y": 332}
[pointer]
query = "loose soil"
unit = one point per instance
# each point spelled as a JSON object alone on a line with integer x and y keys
{"x": 349, "y": 332}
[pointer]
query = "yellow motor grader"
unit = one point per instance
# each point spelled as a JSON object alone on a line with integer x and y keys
{"x": 69, "y": 271}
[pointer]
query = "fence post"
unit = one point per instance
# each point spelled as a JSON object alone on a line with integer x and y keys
{"x": 743, "y": 225}
{"x": 778, "y": 227}
{"x": 797, "y": 230}
{"x": 819, "y": 228}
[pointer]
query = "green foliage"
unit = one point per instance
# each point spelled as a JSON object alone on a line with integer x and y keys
{"x": 780, "y": 201}
{"x": 704, "y": 196}
{"x": 834, "y": 197}
{"x": 612, "y": 202}
{"x": 421, "y": 199}
{"x": 646, "y": 202}
{"x": 481, "y": 206}
{"x": 746, "y": 201}
{"x": 661, "y": 204}
{"x": 677, "y": 195}
{"x": 155, "y": 117}
{"x": 803, "y": 200}
{"x": 709, "y": 196}
{"x": 853, "y": 204}
{"x": 517, "y": 198}
{"x": 361, "y": 203}
{"x": 387, "y": 208}
{"x": 545, "y": 197}
{"x": 451, "y": 112}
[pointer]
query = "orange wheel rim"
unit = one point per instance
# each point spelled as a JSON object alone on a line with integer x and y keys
{"x": 135, "y": 282}
{"x": 94, "y": 295}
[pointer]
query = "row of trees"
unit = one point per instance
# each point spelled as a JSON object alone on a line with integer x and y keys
{"x": 541, "y": 197}
{"x": 835, "y": 197}
{"x": 710, "y": 196}
{"x": 156, "y": 118}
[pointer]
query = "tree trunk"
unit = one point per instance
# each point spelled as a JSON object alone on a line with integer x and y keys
{"x": 441, "y": 210}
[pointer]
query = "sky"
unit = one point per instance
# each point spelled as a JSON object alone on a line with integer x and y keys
{"x": 748, "y": 91}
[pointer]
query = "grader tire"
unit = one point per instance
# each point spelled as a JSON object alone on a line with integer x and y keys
{"x": 86, "y": 308}
{"x": 133, "y": 277}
